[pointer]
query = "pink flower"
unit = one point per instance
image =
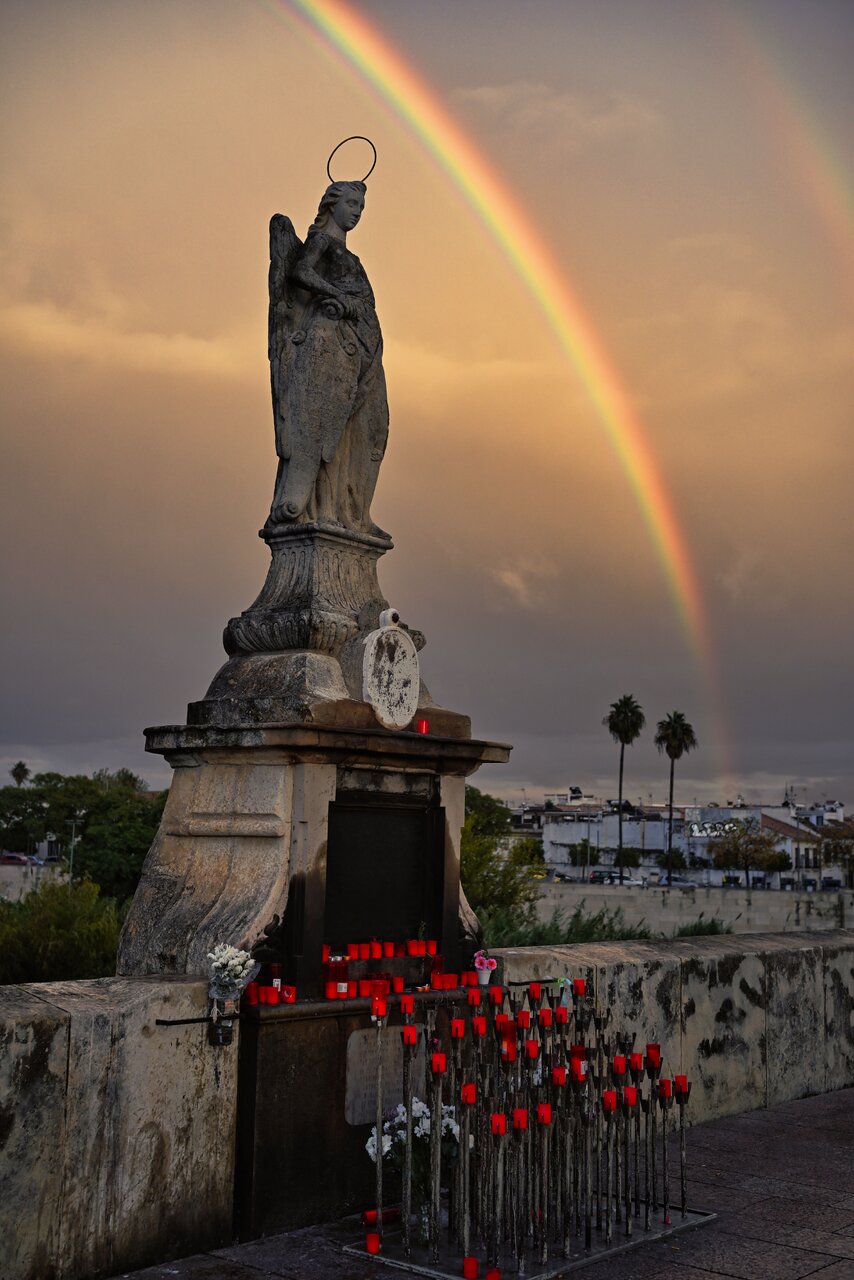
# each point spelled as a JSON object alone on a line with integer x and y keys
{"x": 481, "y": 962}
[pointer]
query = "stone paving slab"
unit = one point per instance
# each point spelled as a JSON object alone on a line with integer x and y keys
{"x": 781, "y": 1182}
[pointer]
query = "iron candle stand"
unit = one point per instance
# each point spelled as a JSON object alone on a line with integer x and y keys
{"x": 683, "y": 1093}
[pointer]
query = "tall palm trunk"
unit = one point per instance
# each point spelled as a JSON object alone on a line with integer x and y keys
{"x": 620, "y": 815}
{"x": 670, "y": 827}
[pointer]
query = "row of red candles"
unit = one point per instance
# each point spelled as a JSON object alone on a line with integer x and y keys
{"x": 382, "y": 985}
{"x": 382, "y": 950}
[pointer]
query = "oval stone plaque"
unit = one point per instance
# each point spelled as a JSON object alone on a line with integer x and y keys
{"x": 390, "y": 676}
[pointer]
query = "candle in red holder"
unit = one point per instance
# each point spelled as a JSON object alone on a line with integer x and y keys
{"x": 636, "y": 1061}
{"x": 473, "y": 978}
{"x": 545, "y": 1016}
{"x": 523, "y": 1017}
{"x": 272, "y": 994}
{"x": 471, "y": 1268}
{"x": 422, "y": 726}
{"x": 508, "y": 1048}
{"x": 330, "y": 989}
{"x": 422, "y": 947}
{"x": 388, "y": 950}
{"x": 578, "y": 1051}
{"x": 468, "y": 1094}
{"x": 412, "y": 946}
{"x": 653, "y": 1053}
{"x": 437, "y": 980}
{"x": 473, "y": 998}
{"x": 452, "y": 981}
{"x": 544, "y": 1112}
{"x": 458, "y": 1028}
{"x": 352, "y": 989}
{"x": 324, "y": 952}
{"x": 630, "y": 1095}
{"x": 579, "y": 986}
{"x": 376, "y": 949}
{"x": 478, "y": 1025}
{"x": 409, "y": 1035}
{"x": 561, "y": 1015}
{"x": 520, "y": 1118}
{"x": 492, "y": 1274}
{"x": 365, "y": 987}
{"x": 288, "y": 994}
{"x": 619, "y": 1064}
{"x": 680, "y": 1084}
{"x": 496, "y": 995}
{"x": 532, "y": 1048}
{"x": 501, "y": 1020}
{"x": 535, "y": 991}
{"x": 400, "y": 948}
{"x": 379, "y": 1007}
{"x": 397, "y": 984}
{"x": 352, "y": 951}
{"x": 438, "y": 1063}
{"x": 372, "y": 1242}
{"x": 559, "y": 1075}
{"x": 499, "y": 1122}
{"x": 407, "y": 1004}
{"x": 432, "y": 946}
{"x": 609, "y": 1100}
{"x": 578, "y": 1068}
{"x": 665, "y": 1088}
{"x": 276, "y": 975}
{"x": 364, "y": 950}
{"x": 250, "y": 995}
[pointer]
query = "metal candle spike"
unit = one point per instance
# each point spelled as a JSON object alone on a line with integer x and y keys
{"x": 682, "y": 1096}
{"x": 665, "y": 1101}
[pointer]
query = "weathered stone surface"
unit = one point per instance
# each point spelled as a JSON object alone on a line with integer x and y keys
{"x": 121, "y": 1147}
{"x": 795, "y": 1019}
{"x": 838, "y": 970}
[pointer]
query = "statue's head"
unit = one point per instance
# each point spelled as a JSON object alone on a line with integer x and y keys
{"x": 343, "y": 203}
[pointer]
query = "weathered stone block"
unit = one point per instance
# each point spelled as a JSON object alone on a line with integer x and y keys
{"x": 795, "y": 1018}
{"x": 838, "y": 973}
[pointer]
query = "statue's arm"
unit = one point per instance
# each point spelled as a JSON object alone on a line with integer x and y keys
{"x": 305, "y": 273}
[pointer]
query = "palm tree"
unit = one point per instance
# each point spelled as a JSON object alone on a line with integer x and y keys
{"x": 624, "y": 722}
{"x": 20, "y": 773}
{"x": 675, "y": 736}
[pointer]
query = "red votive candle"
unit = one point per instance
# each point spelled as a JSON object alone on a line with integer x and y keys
{"x": 330, "y": 988}
{"x": 499, "y": 1123}
{"x": 535, "y": 991}
{"x": 653, "y": 1053}
{"x": 579, "y": 986}
{"x": 288, "y": 994}
{"x": 561, "y": 1015}
{"x": 364, "y": 950}
{"x": 559, "y": 1075}
{"x": 250, "y": 994}
{"x": 523, "y": 1018}
{"x": 496, "y": 995}
{"x": 468, "y": 1094}
{"x": 379, "y": 1006}
{"x": 544, "y": 1112}
{"x": 372, "y": 1242}
{"x": 397, "y": 983}
{"x": 422, "y": 947}
{"x": 365, "y": 987}
{"x": 437, "y": 980}
{"x": 407, "y": 1004}
{"x": 492, "y": 1274}
{"x": 458, "y": 1028}
{"x": 388, "y": 950}
{"x": 501, "y": 1020}
{"x": 324, "y": 953}
{"x": 478, "y": 1025}
{"x": 545, "y": 1016}
{"x": 409, "y": 1035}
{"x": 609, "y": 1100}
{"x": 630, "y": 1095}
{"x": 471, "y": 1268}
{"x": 665, "y": 1088}
{"x": 619, "y": 1064}
{"x": 432, "y": 946}
{"x": 473, "y": 998}
{"x": 636, "y": 1061}
{"x": 578, "y": 1068}
{"x": 680, "y": 1084}
{"x": 438, "y": 1063}
{"x": 508, "y": 1049}
{"x": 520, "y": 1118}
{"x": 352, "y": 989}
{"x": 352, "y": 951}
{"x": 532, "y": 1049}
{"x": 422, "y": 726}
{"x": 412, "y": 946}
{"x": 452, "y": 981}
{"x": 376, "y": 949}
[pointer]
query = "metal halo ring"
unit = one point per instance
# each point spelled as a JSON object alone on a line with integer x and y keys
{"x": 356, "y": 137}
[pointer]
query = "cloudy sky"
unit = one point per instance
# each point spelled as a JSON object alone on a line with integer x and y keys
{"x": 689, "y": 169}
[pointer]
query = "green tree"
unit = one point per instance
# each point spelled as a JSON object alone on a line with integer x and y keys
{"x": 495, "y": 879}
{"x": 20, "y": 772}
{"x": 624, "y": 722}
{"x": 676, "y": 737}
{"x": 58, "y": 932}
{"x": 583, "y": 853}
{"x": 748, "y": 846}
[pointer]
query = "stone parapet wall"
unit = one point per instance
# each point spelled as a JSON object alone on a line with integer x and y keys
{"x": 752, "y": 1019}
{"x": 116, "y": 1134}
{"x": 665, "y": 910}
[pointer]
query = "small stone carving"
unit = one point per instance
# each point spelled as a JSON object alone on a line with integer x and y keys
{"x": 330, "y": 407}
{"x": 390, "y": 675}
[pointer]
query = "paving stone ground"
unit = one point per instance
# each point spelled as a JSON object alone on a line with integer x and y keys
{"x": 781, "y": 1182}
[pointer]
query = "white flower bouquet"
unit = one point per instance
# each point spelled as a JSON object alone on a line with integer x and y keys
{"x": 230, "y": 970}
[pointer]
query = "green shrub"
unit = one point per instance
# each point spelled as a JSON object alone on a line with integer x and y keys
{"x": 508, "y": 928}
{"x": 699, "y": 928}
{"x": 59, "y": 931}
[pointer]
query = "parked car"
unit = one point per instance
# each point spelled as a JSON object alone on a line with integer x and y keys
{"x": 676, "y": 882}
{"x": 598, "y": 876}
{"x": 14, "y": 859}
{"x": 831, "y": 882}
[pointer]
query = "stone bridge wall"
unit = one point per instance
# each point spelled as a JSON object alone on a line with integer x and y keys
{"x": 117, "y": 1135}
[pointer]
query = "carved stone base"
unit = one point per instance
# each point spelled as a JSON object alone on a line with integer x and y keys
{"x": 321, "y": 590}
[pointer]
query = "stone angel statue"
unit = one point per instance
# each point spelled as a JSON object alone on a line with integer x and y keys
{"x": 329, "y": 394}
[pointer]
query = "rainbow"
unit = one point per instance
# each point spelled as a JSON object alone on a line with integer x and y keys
{"x": 361, "y": 46}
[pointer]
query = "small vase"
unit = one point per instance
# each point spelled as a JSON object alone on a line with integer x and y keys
{"x": 484, "y": 976}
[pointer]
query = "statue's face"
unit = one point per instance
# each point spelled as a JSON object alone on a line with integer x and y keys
{"x": 347, "y": 210}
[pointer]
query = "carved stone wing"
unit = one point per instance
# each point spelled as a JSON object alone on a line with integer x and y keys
{"x": 284, "y": 318}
